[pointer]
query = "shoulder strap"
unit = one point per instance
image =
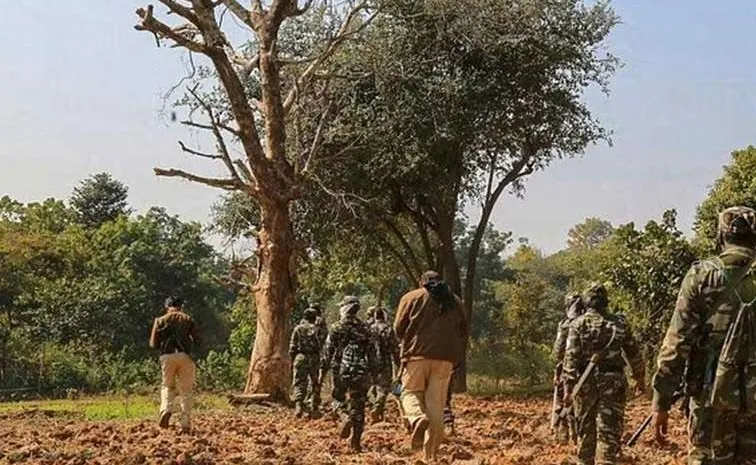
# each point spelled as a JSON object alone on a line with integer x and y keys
{"x": 735, "y": 281}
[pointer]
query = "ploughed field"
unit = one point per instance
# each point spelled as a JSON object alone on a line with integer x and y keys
{"x": 489, "y": 431}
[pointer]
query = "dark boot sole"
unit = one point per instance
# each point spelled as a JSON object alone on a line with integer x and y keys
{"x": 165, "y": 419}
{"x": 418, "y": 433}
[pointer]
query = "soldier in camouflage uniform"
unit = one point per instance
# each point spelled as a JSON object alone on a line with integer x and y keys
{"x": 722, "y": 427}
{"x": 599, "y": 405}
{"x": 387, "y": 359}
{"x": 573, "y": 308}
{"x": 350, "y": 354}
{"x": 320, "y": 322}
{"x": 304, "y": 350}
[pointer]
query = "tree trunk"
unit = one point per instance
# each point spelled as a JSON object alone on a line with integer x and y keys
{"x": 270, "y": 366}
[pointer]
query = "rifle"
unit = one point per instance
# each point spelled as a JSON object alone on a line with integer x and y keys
{"x": 555, "y": 399}
{"x": 638, "y": 432}
{"x": 591, "y": 364}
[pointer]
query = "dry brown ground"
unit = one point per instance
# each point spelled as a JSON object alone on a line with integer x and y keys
{"x": 512, "y": 431}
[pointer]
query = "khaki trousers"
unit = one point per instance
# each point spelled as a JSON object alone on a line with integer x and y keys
{"x": 425, "y": 384}
{"x": 178, "y": 377}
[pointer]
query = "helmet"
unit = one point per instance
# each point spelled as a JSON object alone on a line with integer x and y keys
{"x": 737, "y": 221}
{"x": 310, "y": 314}
{"x": 595, "y": 296}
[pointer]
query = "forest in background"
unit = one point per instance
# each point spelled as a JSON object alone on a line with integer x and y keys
{"x": 82, "y": 278}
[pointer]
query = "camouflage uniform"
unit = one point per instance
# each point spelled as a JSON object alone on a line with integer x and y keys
{"x": 600, "y": 404}
{"x": 387, "y": 358}
{"x": 720, "y": 434}
{"x": 304, "y": 350}
{"x": 574, "y": 307}
{"x": 350, "y": 354}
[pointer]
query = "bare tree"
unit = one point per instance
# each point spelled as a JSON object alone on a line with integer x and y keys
{"x": 270, "y": 172}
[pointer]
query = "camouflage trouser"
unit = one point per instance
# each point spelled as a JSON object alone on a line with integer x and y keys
{"x": 699, "y": 432}
{"x": 733, "y": 438}
{"x": 599, "y": 413}
{"x": 563, "y": 428}
{"x": 354, "y": 409}
{"x": 306, "y": 376}
{"x": 380, "y": 391}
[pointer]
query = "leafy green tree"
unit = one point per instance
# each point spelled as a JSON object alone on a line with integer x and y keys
{"x": 735, "y": 187}
{"x": 645, "y": 268}
{"x": 589, "y": 234}
{"x": 448, "y": 103}
{"x": 99, "y": 199}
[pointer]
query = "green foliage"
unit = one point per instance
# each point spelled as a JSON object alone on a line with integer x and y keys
{"x": 736, "y": 187}
{"x": 645, "y": 269}
{"x": 77, "y": 303}
{"x": 589, "y": 234}
{"x": 221, "y": 371}
{"x": 99, "y": 199}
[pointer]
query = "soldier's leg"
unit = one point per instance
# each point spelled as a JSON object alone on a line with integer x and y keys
{"x": 585, "y": 418}
{"x": 699, "y": 432}
{"x": 746, "y": 440}
{"x": 382, "y": 389}
{"x": 724, "y": 436}
{"x": 448, "y": 412}
{"x": 610, "y": 414}
{"x": 168, "y": 368}
{"x": 435, "y": 393}
{"x": 299, "y": 382}
{"x": 357, "y": 399}
{"x": 338, "y": 395}
{"x": 561, "y": 429}
{"x": 315, "y": 387}
{"x": 185, "y": 384}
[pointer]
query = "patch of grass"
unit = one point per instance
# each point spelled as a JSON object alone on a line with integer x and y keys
{"x": 482, "y": 386}
{"x": 110, "y": 407}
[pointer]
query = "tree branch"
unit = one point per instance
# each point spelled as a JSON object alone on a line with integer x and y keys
{"x": 343, "y": 33}
{"x": 241, "y": 13}
{"x": 227, "y": 184}
{"x": 160, "y": 29}
{"x": 197, "y": 152}
{"x": 181, "y": 10}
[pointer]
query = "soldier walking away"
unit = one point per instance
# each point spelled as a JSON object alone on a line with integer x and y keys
{"x": 175, "y": 335}
{"x": 431, "y": 326}
{"x": 350, "y": 354}
{"x": 387, "y": 358}
{"x": 304, "y": 350}
{"x": 320, "y": 322}
{"x": 711, "y": 346}
{"x": 563, "y": 425}
{"x": 594, "y": 377}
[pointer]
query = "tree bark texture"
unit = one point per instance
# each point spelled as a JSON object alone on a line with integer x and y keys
{"x": 270, "y": 366}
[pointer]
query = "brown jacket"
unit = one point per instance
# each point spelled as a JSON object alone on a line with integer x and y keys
{"x": 174, "y": 332}
{"x": 426, "y": 332}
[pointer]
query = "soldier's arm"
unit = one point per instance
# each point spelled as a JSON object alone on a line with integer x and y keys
{"x": 330, "y": 347}
{"x": 294, "y": 343}
{"x": 401, "y": 321}
{"x": 677, "y": 344}
{"x": 572, "y": 354}
{"x": 394, "y": 350}
{"x": 194, "y": 333}
{"x": 557, "y": 353}
{"x": 154, "y": 336}
{"x": 634, "y": 357}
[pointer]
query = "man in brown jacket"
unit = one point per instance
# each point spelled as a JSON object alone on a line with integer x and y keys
{"x": 174, "y": 335}
{"x": 432, "y": 328}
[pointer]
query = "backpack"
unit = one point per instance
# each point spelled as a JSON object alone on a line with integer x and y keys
{"x": 734, "y": 384}
{"x": 354, "y": 361}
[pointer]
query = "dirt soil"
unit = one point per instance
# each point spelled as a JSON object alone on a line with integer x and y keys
{"x": 511, "y": 431}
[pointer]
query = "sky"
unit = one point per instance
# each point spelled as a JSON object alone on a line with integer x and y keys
{"x": 81, "y": 92}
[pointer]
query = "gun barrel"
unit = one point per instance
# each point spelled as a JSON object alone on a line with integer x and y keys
{"x": 634, "y": 438}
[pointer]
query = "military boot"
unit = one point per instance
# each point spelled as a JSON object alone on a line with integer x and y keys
{"x": 376, "y": 416}
{"x": 298, "y": 410}
{"x": 346, "y": 429}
